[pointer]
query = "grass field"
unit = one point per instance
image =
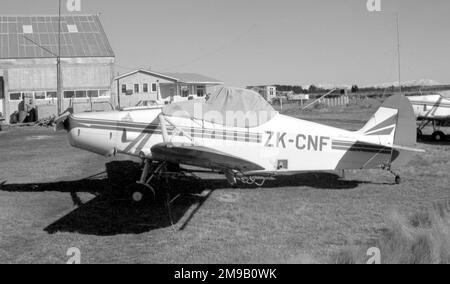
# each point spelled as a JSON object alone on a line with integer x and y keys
{"x": 53, "y": 197}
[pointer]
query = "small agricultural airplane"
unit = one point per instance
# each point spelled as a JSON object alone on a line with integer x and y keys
{"x": 432, "y": 109}
{"x": 236, "y": 132}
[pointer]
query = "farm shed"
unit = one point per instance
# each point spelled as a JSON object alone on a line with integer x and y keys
{"x": 28, "y": 58}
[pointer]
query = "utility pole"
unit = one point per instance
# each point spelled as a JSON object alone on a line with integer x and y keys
{"x": 118, "y": 90}
{"x": 58, "y": 64}
{"x": 399, "y": 59}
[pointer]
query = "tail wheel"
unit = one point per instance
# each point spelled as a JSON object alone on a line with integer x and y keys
{"x": 438, "y": 136}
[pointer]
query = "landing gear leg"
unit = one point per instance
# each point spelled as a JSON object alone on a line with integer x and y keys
{"x": 140, "y": 189}
{"x": 154, "y": 174}
{"x": 398, "y": 179}
{"x": 167, "y": 189}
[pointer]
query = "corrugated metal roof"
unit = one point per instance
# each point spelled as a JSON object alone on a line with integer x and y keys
{"x": 192, "y": 78}
{"x": 90, "y": 39}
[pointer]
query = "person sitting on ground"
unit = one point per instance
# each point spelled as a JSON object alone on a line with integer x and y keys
{"x": 30, "y": 108}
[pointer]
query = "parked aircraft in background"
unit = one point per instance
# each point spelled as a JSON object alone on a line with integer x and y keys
{"x": 236, "y": 132}
{"x": 432, "y": 110}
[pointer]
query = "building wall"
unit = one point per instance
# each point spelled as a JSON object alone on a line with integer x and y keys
{"x": 38, "y": 78}
{"x": 140, "y": 79}
{"x": 166, "y": 91}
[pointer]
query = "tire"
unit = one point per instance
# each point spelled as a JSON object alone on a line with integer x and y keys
{"x": 398, "y": 180}
{"x": 140, "y": 193}
{"x": 438, "y": 136}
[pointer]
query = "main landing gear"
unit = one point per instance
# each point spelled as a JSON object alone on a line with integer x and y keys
{"x": 154, "y": 177}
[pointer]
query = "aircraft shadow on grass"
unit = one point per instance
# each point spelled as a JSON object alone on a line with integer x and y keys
{"x": 112, "y": 212}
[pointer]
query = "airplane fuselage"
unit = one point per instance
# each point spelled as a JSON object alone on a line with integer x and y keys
{"x": 282, "y": 144}
{"x": 430, "y": 106}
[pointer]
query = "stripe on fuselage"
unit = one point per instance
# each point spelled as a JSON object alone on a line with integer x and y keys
{"x": 154, "y": 128}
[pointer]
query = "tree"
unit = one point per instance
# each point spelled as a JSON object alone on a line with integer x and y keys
{"x": 313, "y": 89}
{"x": 355, "y": 89}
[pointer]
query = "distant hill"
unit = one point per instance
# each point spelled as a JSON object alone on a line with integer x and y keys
{"x": 407, "y": 86}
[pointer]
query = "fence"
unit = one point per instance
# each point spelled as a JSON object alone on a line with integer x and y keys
{"x": 341, "y": 101}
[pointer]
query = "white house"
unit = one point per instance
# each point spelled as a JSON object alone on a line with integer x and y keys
{"x": 146, "y": 85}
{"x": 268, "y": 92}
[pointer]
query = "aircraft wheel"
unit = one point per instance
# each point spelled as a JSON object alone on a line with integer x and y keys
{"x": 140, "y": 193}
{"x": 398, "y": 179}
{"x": 438, "y": 136}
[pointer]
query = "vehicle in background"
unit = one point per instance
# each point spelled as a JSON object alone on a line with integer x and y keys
{"x": 438, "y": 130}
{"x": 433, "y": 114}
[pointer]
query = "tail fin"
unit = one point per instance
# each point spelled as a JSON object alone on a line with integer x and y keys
{"x": 393, "y": 125}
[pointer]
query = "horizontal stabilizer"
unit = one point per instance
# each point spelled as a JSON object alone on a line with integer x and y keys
{"x": 409, "y": 149}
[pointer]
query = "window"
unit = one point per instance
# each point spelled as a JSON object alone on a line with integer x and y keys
{"x": 72, "y": 28}
{"x": 15, "y": 96}
{"x": 69, "y": 94}
{"x": 27, "y": 29}
{"x": 124, "y": 88}
{"x": 201, "y": 91}
{"x": 145, "y": 88}
{"x": 136, "y": 88}
{"x": 154, "y": 88}
{"x": 80, "y": 94}
{"x": 52, "y": 95}
{"x": 92, "y": 93}
{"x": 104, "y": 93}
{"x": 28, "y": 95}
{"x": 39, "y": 95}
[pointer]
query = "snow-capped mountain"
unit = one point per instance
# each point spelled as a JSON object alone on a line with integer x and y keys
{"x": 328, "y": 86}
{"x": 412, "y": 83}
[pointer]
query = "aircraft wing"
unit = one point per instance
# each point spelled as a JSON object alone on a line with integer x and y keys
{"x": 201, "y": 156}
{"x": 436, "y": 118}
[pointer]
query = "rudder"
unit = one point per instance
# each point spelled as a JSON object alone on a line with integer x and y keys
{"x": 393, "y": 124}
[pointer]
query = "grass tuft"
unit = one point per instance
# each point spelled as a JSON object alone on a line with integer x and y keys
{"x": 424, "y": 238}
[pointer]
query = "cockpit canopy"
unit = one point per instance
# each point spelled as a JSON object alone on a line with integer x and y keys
{"x": 233, "y": 107}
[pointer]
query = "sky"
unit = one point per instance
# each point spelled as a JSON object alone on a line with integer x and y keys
{"x": 257, "y": 42}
